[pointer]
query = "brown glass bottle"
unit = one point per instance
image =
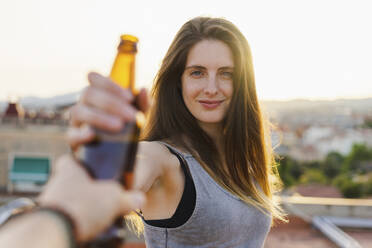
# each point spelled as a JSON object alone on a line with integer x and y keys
{"x": 112, "y": 155}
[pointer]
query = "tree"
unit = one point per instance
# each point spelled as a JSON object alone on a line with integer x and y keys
{"x": 340, "y": 180}
{"x": 313, "y": 176}
{"x": 367, "y": 123}
{"x": 332, "y": 164}
{"x": 352, "y": 189}
{"x": 289, "y": 170}
{"x": 357, "y": 158}
{"x": 368, "y": 187}
{"x": 347, "y": 187}
{"x": 315, "y": 164}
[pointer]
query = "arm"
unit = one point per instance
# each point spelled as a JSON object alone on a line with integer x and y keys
{"x": 150, "y": 162}
{"x": 159, "y": 175}
{"x": 106, "y": 106}
{"x": 38, "y": 230}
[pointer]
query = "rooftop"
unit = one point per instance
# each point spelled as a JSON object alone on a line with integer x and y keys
{"x": 299, "y": 234}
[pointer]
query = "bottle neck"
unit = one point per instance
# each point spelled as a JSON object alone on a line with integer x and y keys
{"x": 123, "y": 70}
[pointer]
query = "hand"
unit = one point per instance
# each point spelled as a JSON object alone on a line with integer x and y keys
{"x": 103, "y": 105}
{"x": 93, "y": 205}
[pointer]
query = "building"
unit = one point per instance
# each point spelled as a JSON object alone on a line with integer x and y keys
{"x": 28, "y": 149}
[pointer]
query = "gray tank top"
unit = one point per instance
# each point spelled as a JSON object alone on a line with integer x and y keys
{"x": 220, "y": 219}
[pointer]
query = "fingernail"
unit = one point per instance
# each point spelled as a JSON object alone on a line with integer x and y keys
{"x": 128, "y": 95}
{"x": 92, "y": 75}
{"x": 115, "y": 123}
{"x": 86, "y": 131}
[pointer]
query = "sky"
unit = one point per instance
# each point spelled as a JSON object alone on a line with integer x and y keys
{"x": 319, "y": 49}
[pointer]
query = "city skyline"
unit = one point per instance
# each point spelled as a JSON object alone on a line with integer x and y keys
{"x": 301, "y": 50}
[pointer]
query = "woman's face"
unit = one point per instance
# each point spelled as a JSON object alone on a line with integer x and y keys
{"x": 207, "y": 81}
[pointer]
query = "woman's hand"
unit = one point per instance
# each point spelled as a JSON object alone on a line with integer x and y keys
{"x": 103, "y": 105}
{"x": 92, "y": 204}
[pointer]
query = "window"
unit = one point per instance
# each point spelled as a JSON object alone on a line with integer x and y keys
{"x": 28, "y": 173}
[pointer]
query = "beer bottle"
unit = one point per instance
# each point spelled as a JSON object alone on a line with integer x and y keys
{"x": 112, "y": 155}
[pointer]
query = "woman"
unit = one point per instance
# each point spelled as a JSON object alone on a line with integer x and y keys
{"x": 205, "y": 162}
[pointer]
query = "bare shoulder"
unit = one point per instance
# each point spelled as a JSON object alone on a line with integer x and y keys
{"x": 163, "y": 183}
{"x": 156, "y": 151}
{"x": 152, "y": 147}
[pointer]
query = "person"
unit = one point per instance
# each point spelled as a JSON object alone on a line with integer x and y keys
{"x": 70, "y": 199}
{"x": 205, "y": 160}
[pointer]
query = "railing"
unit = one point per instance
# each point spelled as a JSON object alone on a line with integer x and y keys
{"x": 331, "y": 231}
{"x": 341, "y": 212}
{"x": 342, "y": 207}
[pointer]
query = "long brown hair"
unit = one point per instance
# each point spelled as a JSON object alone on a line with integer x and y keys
{"x": 251, "y": 173}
